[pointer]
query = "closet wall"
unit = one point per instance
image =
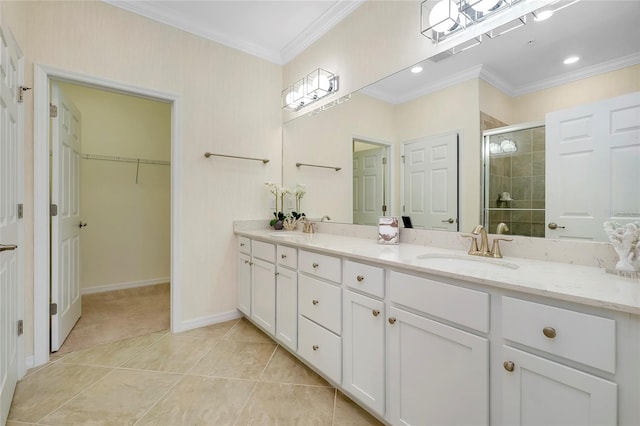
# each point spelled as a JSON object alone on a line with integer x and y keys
{"x": 127, "y": 240}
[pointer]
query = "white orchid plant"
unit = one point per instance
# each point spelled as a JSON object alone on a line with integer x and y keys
{"x": 280, "y": 192}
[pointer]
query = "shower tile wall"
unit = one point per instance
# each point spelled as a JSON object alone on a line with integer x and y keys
{"x": 520, "y": 173}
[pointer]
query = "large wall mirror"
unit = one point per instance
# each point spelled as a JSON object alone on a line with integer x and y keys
{"x": 511, "y": 80}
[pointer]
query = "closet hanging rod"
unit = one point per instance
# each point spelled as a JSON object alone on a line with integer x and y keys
{"x": 316, "y": 165}
{"x": 209, "y": 154}
{"x": 124, "y": 159}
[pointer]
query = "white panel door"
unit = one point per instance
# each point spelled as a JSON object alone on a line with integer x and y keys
{"x": 287, "y": 307}
{"x": 436, "y": 374}
{"x": 65, "y": 225}
{"x": 368, "y": 186}
{"x": 11, "y": 227}
{"x": 592, "y": 167}
{"x": 431, "y": 182}
{"x": 542, "y": 392}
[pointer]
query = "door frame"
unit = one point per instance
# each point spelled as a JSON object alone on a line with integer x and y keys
{"x": 41, "y": 237}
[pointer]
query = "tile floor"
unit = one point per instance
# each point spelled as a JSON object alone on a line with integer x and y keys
{"x": 225, "y": 374}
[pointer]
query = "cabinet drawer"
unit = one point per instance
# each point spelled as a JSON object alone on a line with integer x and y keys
{"x": 244, "y": 245}
{"x": 584, "y": 338}
{"x": 457, "y": 304}
{"x": 320, "y": 265}
{"x": 287, "y": 256}
{"x": 321, "y": 348}
{"x": 320, "y": 302}
{"x": 264, "y": 251}
{"x": 366, "y": 278}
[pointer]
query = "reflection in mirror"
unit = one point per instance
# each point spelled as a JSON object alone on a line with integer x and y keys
{"x": 514, "y": 180}
{"x": 515, "y": 78}
{"x": 370, "y": 181}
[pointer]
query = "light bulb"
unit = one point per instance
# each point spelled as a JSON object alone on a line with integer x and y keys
{"x": 321, "y": 82}
{"x": 484, "y": 6}
{"x": 439, "y": 18}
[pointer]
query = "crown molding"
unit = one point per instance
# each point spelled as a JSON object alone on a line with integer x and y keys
{"x": 329, "y": 19}
{"x": 615, "y": 64}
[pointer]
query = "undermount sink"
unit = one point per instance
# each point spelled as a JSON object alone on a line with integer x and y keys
{"x": 462, "y": 259}
{"x": 286, "y": 234}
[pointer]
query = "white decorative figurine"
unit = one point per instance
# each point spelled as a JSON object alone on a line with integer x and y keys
{"x": 626, "y": 241}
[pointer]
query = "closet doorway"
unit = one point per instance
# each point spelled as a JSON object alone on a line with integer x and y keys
{"x": 110, "y": 245}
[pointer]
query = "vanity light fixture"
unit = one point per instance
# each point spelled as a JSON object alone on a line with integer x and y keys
{"x": 442, "y": 18}
{"x": 315, "y": 86}
{"x": 507, "y": 146}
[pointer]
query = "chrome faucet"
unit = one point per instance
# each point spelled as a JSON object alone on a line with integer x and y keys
{"x": 502, "y": 228}
{"x": 484, "y": 242}
{"x": 325, "y": 217}
{"x": 307, "y": 225}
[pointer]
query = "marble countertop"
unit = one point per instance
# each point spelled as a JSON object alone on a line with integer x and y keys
{"x": 586, "y": 285}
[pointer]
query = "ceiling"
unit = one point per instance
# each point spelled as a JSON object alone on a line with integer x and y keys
{"x": 273, "y": 30}
{"x": 604, "y": 33}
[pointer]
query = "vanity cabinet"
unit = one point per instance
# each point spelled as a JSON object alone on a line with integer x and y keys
{"x": 319, "y": 309}
{"x": 263, "y": 285}
{"x": 436, "y": 373}
{"x": 287, "y": 297}
{"x": 364, "y": 350}
{"x": 537, "y": 390}
{"x": 244, "y": 275}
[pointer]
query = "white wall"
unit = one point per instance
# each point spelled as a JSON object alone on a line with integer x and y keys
{"x": 231, "y": 104}
{"x": 127, "y": 240}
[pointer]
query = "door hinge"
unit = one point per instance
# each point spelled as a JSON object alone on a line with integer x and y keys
{"x": 20, "y": 211}
{"x": 54, "y": 210}
{"x": 21, "y": 91}
{"x": 20, "y": 327}
{"x": 403, "y": 209}
{"x": 53, "y": 111}
{"x": 53, "y": 309}
{"x": 384, "y": 160}
{"x": 402, "y": 157}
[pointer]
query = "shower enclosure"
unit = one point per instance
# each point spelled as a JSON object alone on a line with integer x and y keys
{"x": 514, "y": 179}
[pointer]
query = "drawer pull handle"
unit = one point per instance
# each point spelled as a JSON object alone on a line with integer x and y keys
{"x": 315, "y": 301}
{"x": 283, "y": 256}
{"x": 392, "y": 320}
{"x": 315, "y": 347}
{"x": 375, "y": 312}
{"x": 550, "y": 332}
{"x": 509, "y": 366}
{"x": 360, "y": 278}
{"x": 315, "y": 265}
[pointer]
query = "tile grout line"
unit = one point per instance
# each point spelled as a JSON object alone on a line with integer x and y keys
{"x": 335, "y": 403}
{"x": 255, "y": 386}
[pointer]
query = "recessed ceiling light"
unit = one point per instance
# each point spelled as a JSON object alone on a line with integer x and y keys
{"x": 416, "y": 69}
{"x": 542, "y": 15}
{"x": 571, "y": 60}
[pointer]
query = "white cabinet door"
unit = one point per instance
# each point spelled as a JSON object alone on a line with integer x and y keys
{"x": 263, "y": 295}
{"x": 436, "y": 374}
{"x": 287, "y": 308}
{"x": 244, "y": 284}
{"x": 542, "y": 392}
{"x": 363, "y": 349}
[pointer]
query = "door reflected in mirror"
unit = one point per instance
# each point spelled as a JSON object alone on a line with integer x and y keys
{"x": 370, "y": 182}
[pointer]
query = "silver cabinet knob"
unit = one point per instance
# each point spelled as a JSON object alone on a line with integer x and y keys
{"x": 360, "y": 278}
{"x": 375, "y": 312}
{"x": 315, "y": 347}
{"x": 82, "y": 225}
{"x": 509, "y": 366}
{"x": 283, "y": 256}
{"x": 315, "y": 265}
{"x": 553, "y": 225}
{"x": 550, "y": 332}
{"x": 315, "y": 301}
{"x": 392, "y": 320}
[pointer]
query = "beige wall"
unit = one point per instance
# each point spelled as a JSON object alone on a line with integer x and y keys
{"x": 231, "y": 104}
{"x": 127, "y": 240}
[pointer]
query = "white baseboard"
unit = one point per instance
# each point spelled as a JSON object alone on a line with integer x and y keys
{"x": 208, "y": 320}
{"x": 29, "y": 362}
{"x": 123, "y": 286}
